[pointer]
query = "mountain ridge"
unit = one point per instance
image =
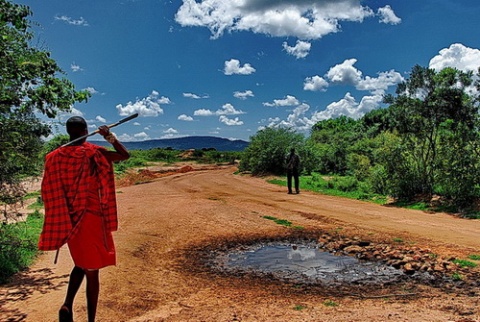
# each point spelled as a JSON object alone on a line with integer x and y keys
{"x": 184, "y": 143}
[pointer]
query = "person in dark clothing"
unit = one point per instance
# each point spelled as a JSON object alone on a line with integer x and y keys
{"x": 293, "y": 170}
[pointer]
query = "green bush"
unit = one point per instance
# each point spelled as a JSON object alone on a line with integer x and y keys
{"x": 378, "y": 179}
{"x": 18, "y": 245}
{"x": 133, "y": 162}
{"x": 159, "y": 154}
{"x": 211, "y": 155}
{"x": 359, "y": 165}
{"x": 345, "y": 184}
{"x": 267, "y": 151}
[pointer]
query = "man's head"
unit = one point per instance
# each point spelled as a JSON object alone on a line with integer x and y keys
{"x": 76, "y": 127}
{"x": 292, "y": 150}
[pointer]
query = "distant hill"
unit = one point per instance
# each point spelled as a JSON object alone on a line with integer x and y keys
{"x": 185, "y": 143}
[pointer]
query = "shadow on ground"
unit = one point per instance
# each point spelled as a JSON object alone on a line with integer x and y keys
{"x": 23, "y": 286}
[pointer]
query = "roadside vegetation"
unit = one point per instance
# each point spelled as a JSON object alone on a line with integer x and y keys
{"x": 18, "y": 244}
{"x": 340, "y": 186}
{"x": 31, "y": 84}
{"x": 144, "y": 158}
{"x": 421, "y": 150}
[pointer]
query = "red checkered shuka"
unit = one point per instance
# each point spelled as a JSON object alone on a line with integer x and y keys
{"x": 65, "y": 190}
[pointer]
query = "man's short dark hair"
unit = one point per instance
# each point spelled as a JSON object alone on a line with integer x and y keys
{"x": 76, "y": 126}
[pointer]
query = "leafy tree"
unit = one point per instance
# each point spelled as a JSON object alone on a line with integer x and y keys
{"x": 29, "y": 85}
{"x": 438, "y": 122}
{"x": 377, "y": 121}
{"x": 459, "y": 166}
{"x": 268, "y": 148}
{"x": 333, "y": 138}
{"x": 54, "y": 143}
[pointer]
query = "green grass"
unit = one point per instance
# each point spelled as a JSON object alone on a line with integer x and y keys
{"x": 298, "y": 227}
{"x": 38, "y": 204}
{"x": 330, "y": 303}
{"x": 474, "y": 257}
{"x": 473, "y": 215}
{"x": 457, "y": 276}
{"x": 464, "y": 263}
{"x": 18, "y": 245}
{"x": 282, "y": 222}
{"x": 299, "y": 307}
{"x": 419, "y": 206}
{"x": 347, "y": 187}
{"x": 145, "y": 158}
{"x": 31, "y": 195}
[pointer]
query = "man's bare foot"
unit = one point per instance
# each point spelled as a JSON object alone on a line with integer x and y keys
{"x": 65, "y": 314}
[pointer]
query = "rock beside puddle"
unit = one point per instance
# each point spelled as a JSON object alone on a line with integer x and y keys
{"x": 409, "y": 259}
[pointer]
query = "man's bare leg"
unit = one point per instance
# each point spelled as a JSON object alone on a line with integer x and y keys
{"x": 93, "y": 288}
{"x": 76, "y": 279}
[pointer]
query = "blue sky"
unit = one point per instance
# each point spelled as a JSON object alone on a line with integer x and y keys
{"x": 228, "y": 68}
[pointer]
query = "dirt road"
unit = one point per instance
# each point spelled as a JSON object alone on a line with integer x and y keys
{"x": 161, "y": 220}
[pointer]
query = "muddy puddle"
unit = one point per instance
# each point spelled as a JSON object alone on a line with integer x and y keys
{"x": 305, "y": 263}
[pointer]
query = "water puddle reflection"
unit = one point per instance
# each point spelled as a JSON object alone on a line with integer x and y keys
{"x": 305, "y": 263}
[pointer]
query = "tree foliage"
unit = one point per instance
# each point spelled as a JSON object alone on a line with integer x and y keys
{"x": 29, "y": 86}
{"x": 424, "y": 143}
{"x": 268, "y": 148}
{"x": 437, "y": 120}
{"x": 333, "y": 138}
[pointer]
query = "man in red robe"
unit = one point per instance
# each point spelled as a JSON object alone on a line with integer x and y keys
{"x": 78, "y": 191}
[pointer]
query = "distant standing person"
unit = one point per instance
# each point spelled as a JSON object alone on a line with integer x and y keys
{"x": 293, "y": 169}
{"x": 78, "y": 191}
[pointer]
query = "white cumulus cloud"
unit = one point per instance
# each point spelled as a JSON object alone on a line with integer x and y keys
{"x": 243, "y": 95}
{"x": 184, "y": 117}
{"x": 289, "y": 100}
{"x": 194, "y": 96}
{"x": 381, "y": 83}
{"x": 170, "y": 130}
{"x": 388, "y": 16}
{"x": 348, "y": 106}
{"x": 75, "y": 68}
{"x": 71, "y": 21}
{"x": 233, "y": 66}
{"x": 169, "y": 133}
{"x": 304, "y": 19}
{"x": 148, "y": 106}
{"x": 203, "y": 112}
{"x": 345, "y": 73}
{"x": 300, "y": 50}
{"x": 141, "y": 136}
{"x": 315, "y": 83}
{"x": 230, "y": 122}
{"x": 457, "y": 56}
{"x": 227, "y": 109}
{"x": 91, "y": 90}
{"x": 100, "y": 119}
